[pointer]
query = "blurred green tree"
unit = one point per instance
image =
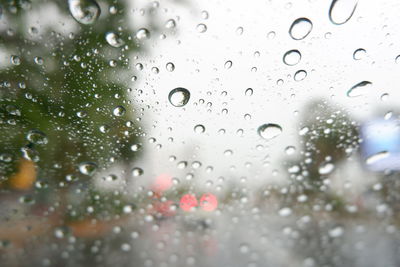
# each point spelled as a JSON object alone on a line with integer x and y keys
{"x": 64, "y": 96}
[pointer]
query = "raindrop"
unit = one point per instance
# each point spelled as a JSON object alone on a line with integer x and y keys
{"x": 284, "y": 212}
{"x": 137, "y": 171}
{"x": 15, "y": 60}
{"x": 136, "y": 147}
{"x": 119, "y": 111}
{"x": 300, "y": 28}
{"x": 87, "y": 168}
{"x": 326, "y": 168}
{"x": 341, "y": 11}
{"x": 170, "y": 66}
{"x": 204, "y": 14}
{"x": 290, "y": 150}
{"x": 269, "y": 131}
{"x": 248, "y": 92}
{"x": 104, "y": 128}
{"x": 292, "y": 57}
{"x": 384, "y": 97}
{"x": 336, "y": 232}
{"x": 359, "y": 54}
{"x": 143, "y": 34}
{"x": 239, "y": 31}
{"x": 358, "y": 89}
{"x": 170, "y": 24}
{"x": 38, "y": 60}
{"x": 300, "y": 75}
{"x": 199, "y": 128}
{"x": 228, "y": 64}
{"x": 37, "y": 137}
{"x": 84, "y": 11}
{"x": 114, "y": 40}
{"x": 376, "y": 157}
{"x": 30, "y": 154}
{"x": 179, "y": 97}
{"x": 201, "y": 28}
{"x": 271, "y": 35}
{"x": 13, "y": 110}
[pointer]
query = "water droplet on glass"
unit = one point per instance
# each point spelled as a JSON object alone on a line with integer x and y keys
{"x": 170, "y": 66}
{"x": 269, "y": 131}
{"x": 300, "y": 28}
{"x": 359, "y": 54}
{"x": 284, "y": 212}
{"x": 300, "y": 75}
{"x": 376, "y": 157}
{"x": 114, "y": 40}
{"x": 385, "y": 97}
{"x": 292, "y": 57}
{"x": 199, "y": 128}
{"x": 30, "y": 154}
{"x": 239, "y": 31}
{"x": 271, "y": 35}
{"x": 341, "y": 11}
{"x": 137, "y": 171}
{"x": 358, "y": 89}
{"x": 87, "y": 168}
{"x": 201, "y": 28}
{"x": 84, "y": 11}
{"x": 104, "y": 128}
{"x": 136, "y": 147}
{"x": 336, "y": 232}
{"x": 248, "y": 92}
{"x": 179, "y": 97}
{"x": 326, "y": 168}
{"x": 290, "y": 150}
{"x": 15, "y": 60}
{"x": 119, "y": 111}
{"x": 204, "y": 14}
{"x": 143, "y": 34}
{"x": 38, "y": 60}
{"x": 228, "y": 64}
{"x": 170, "y": 24}
{"x": 37, "y": 137}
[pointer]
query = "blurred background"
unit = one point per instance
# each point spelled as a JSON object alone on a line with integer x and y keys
{"x": 212, "y": 133}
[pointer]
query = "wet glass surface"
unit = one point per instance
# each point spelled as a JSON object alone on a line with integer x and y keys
{"x": 199, "y": 133}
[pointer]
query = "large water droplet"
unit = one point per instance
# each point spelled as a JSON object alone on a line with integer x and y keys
{"x": 376, "y": 157}
{"x": 300, "y": 75}
{"x": 114, "y": 40}
{"x": 201, "y": 28}
{"x": 137, "y": 171}
{"x": 169, "y": 24}
{"x": 179, "y": 97}
{"x": 143, "y": 34}
{"x": 36, "y": 137}
{"x": 359, "y": 54}
{"x": 87, "y": 168}
{"x": 15, "y": 60}
{"x": 199, "y": 128}
{"x": 170, "y": 66}
{"x": 300, "y": 28}
{"x": 358, "y": 89}
{"x": 30, "y": 154}
{"x": 341, "y": 11}
{"x": 84, "y": 11}
{"x": 326, "y": 168}
{"x": 269, "y": 131}
{"x": 292, "y": 57}
{"x": 248, "y": 92}
{"x": 119, "y": 111}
